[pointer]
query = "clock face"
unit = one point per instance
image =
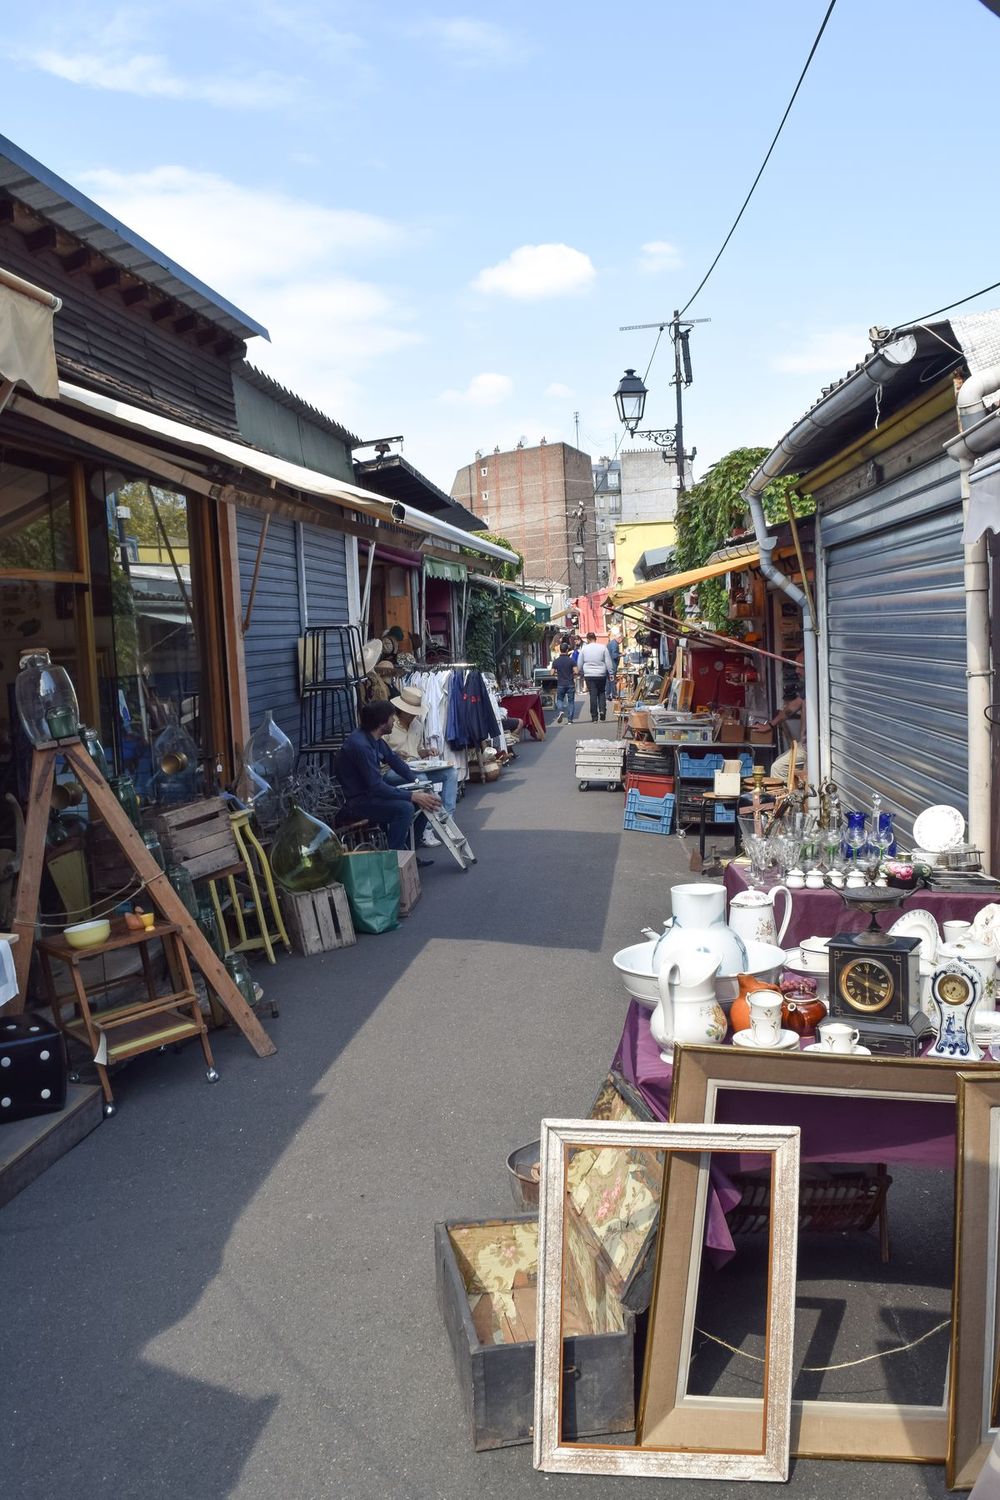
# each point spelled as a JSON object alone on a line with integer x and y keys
{"x": 867, "y": 985}
{"x": 953, "y": 989}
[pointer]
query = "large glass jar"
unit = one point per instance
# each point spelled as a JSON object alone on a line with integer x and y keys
{"x": 46, "y": 700}
{"x": 305, "y": 852}
{"x": 125, "y": 793}
{"x": 94, "y": 748}
{"x": 270, "y": 753}
{"x": 184, "y": 886}
{"x": 209, "y": 924}
{"x": 239, "y": 972}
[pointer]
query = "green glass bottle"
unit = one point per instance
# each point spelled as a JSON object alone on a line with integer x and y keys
{"x": 305, "y": 852}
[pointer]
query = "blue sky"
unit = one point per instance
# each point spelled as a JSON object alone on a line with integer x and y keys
{"x": 443, "y": 215}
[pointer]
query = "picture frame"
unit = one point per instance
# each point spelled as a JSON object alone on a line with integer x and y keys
{"x": 766, "y": 1457}
{"x": 886, "y": 1432}
{"x": 974, "y": 1394}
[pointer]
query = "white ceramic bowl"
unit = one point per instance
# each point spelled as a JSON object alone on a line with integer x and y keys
{"x": 88, "y": 934}
{"x": 635, "y": 968}
{"x": 819, "y": 974}
{"x": 764, "y": 961}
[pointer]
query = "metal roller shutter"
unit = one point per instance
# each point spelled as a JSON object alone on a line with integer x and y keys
{"x": 271, "y": 644}
{"x": 895, "y": 644}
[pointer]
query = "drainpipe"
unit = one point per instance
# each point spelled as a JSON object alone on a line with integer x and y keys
{"x": 977, "y": 437}
{"x": 862, "y": 385}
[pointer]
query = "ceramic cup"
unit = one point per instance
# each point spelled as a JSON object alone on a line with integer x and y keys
{"x": 836, "y": 1037}
{"x": 837, "y": 880}
{"x": 954, "y": 932}
{"x": 795, "y": 880}
{"x": 765, "y": 1018}
{"x": 855, "y": 880}
{"x": 814, "y": 880}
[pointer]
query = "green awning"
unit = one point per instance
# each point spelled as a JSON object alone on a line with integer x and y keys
{"x": 543, "y": 611}
{"x": 455, "y": 572}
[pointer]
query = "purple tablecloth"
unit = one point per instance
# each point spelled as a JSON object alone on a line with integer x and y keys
{"x": 822, "y": 913}
{"x": 901, "y": 1131}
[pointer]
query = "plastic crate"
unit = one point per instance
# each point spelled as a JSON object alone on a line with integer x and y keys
{"x": 699, "y": 767}
{"x": 649, "y": 786}
{"x": 648, "y": 814}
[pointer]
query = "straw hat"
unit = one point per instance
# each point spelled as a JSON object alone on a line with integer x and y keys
{"x": 410, "y": 701}
{"x": 371, "y": 654}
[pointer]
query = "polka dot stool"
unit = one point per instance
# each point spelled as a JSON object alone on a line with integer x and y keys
{"x": 32, "y": 1067}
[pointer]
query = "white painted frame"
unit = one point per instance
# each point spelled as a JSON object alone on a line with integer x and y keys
{"x": 770, "y": 1462}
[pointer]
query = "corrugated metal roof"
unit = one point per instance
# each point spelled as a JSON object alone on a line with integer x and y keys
{"x": 59, "y": 203}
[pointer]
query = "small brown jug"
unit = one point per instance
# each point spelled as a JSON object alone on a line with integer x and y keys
{"x": 802, "y": 1014}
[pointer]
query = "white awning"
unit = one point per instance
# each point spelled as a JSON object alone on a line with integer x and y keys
{"x": 207, "y": 445}
{"x": 27, "y": 354}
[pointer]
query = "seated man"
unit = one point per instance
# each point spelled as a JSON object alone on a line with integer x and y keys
{"x": 406, "y": 737}
{"x": 358, "y": 768}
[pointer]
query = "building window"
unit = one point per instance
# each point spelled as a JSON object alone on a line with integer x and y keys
{"x": 600, "y": 502}
{"x": 612, "y": 479}
{"x": 484, "y": 471}
{"x": 484, "y": 496}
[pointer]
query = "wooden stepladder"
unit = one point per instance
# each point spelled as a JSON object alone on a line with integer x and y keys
{"x": 160, "y": 892}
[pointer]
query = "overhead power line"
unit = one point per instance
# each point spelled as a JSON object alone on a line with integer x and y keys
{"x": 949, "y": 305}
{"x": 767, "y": 158}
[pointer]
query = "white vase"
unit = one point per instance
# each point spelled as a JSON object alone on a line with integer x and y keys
{"x": 699, "y": 925}
{"x": 751, "y": 915}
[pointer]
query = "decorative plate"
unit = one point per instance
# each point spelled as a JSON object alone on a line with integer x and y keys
{"x": 938, "y": 828}
{"x": 856, "y": 1051}
{"x": 785, "y": 1042}
{"x": 919, "y": 924}
{"x": 986, "y": 927}
{"x": 806, "y": 962}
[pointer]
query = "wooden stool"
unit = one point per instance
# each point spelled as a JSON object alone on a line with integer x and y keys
{"x": 124, "y": 1031}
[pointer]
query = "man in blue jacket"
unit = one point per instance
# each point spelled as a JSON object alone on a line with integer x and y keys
{"x": 367, "y": 794}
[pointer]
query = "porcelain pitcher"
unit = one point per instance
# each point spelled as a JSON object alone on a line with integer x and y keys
{"x": 751, "y": 915}
{"x": 687, "y": 1010}
{"x": 698, "y": 925}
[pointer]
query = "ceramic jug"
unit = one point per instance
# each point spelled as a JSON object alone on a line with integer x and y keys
{"x": 698, "y": 925}
{"x": 739, "y": 1011}
{"x": 751, "y": 915}
{"x": 687, "y": 1010}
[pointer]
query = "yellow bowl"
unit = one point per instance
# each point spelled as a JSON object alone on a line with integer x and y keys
{"x": 88, "y": 934}
{"x": 148, "y": 919}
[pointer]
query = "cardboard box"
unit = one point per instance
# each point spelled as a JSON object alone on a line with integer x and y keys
{"x": 761, "y": 736}
{"x": 731, "y": 732}
{"x": 409, "y": 882}
{"x": 728, "y": 781}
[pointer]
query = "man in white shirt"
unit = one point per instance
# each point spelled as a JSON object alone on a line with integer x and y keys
{"x": 594, "y": 666}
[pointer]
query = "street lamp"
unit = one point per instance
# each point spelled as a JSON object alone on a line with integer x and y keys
{"x": 548, "y": 597}
{"x": 578, "y": 556}
{"x": 630, "y": 398}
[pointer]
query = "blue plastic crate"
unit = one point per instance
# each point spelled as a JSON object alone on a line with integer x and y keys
{"x": 699, "y": 767}
{"x": 648, "y": 814}
{"x": 724, "y": 814}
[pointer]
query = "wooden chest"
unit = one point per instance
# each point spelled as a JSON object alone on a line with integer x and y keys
{"x": 487, "y": 1274}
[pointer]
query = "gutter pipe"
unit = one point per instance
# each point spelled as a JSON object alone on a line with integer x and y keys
{"x": 867, "y": 381}
{"x": 978, "y": 436}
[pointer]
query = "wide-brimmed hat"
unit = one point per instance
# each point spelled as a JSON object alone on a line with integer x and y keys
{"x": 410, "y": 701}
{"x": 371, "y": 654}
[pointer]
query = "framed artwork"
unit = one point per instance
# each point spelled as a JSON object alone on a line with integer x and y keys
{"x": 883, "y": 1097}
{"x": 664, "y": 1447}
{"x": 975, "y": 1332}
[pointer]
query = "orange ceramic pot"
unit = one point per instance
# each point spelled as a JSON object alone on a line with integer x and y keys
{"x": 739, "y": 1011}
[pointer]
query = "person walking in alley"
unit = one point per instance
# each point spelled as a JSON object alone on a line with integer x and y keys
{"x": 358, "y": 768}
{"x": 562, "y": 666}
{"x": 595, "y": 664}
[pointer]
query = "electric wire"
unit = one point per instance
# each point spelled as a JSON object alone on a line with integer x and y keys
{"x": 767, "y": 158}
{"x": 949, "y": 305}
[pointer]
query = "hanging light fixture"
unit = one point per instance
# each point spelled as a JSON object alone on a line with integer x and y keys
{"x": 630, "y": 399}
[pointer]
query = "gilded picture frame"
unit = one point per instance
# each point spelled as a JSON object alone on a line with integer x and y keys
{"x": 974, "y": 1395}
{"x": 687, "y": 1152}
{"x": 875, "y": 1432}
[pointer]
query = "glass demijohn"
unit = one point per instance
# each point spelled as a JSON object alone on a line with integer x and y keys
{"x": 270, "y": 753}
{"x": 304, "y": 852}
{"x": 46, "y": 700}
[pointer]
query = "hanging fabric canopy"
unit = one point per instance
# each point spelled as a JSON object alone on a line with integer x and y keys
{"x": 27, "y": 354}
{"x": 455, "y": 572}
{"x": 675, "y": 581}
{"x": 543, "y": 611}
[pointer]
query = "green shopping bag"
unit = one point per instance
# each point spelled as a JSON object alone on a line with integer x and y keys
{"x": 371, "y": 880}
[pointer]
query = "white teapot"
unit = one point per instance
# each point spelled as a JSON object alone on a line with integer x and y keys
{"x": 688, "y": 1010}
{"x": 698, "y": 925}
{"x": 751, "y": 915}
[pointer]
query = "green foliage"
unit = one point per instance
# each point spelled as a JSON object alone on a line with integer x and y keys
{"x": 498, "y": 627}
{"x": 711, "y": 510}
{"x": 480, "y": 628}
{"x": 510, "y": 571}
{"x": 142, "y": 523}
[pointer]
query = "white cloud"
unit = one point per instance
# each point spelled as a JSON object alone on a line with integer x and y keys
{"x": 488, "y": 389}
{"x": 830, "y": 351}
{"x": 556, "y": 389}
{"x": 660, "y": 255}
{"x": 285, "y": 261}
{"x": 468, "y": 40}
{"x": 150, "y": 74}
{"x": 535, "y": 271}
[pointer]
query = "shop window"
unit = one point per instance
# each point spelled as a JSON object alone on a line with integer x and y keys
{"x": 152, "y": 692}
{"x": 36, "y": 522}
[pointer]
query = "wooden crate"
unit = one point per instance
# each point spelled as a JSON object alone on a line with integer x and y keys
{"x": 410, "y": 889}
{"x": 199, "y": 836}
{"x": 318, "y": 921}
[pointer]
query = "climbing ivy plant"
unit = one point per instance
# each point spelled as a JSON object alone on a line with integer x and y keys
{"x": 711, "y": 510}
